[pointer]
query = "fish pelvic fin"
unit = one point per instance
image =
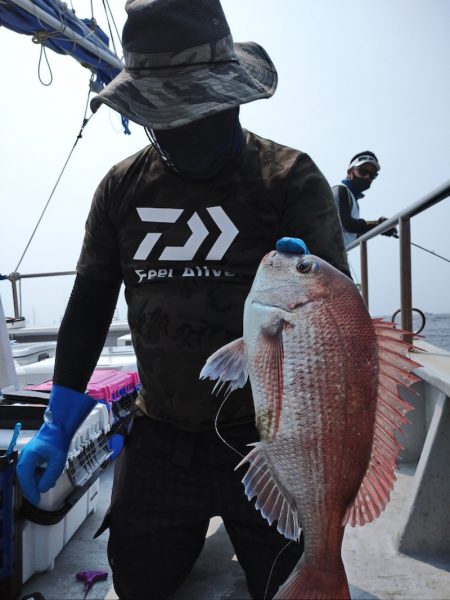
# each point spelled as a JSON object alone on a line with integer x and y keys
{"x": 310, "y": 582}
{"x": 228, "y": 366}
{"x": 395, "y": 373}
{"x": 270, "y": 500}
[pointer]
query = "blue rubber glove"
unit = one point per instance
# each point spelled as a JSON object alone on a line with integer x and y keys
{"x": 66, "y": 410}
{"x": 291, "y": 245}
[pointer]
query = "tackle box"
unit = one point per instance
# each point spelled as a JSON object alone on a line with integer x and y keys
{"x": 116, "y": 389}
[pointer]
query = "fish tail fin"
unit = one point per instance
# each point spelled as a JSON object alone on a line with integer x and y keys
{"x": 309, "y": 582}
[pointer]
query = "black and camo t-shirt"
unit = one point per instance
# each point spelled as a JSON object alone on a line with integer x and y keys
{"x": 187, "y": 252}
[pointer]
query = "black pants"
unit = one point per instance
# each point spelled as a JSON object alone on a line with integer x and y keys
{"x": 167, "y": 485}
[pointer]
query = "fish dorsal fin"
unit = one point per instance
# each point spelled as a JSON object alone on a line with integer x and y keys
{"x": 270, "y": 500}
{"x": 395, "y": 368}
{"x": 228, "y": 366}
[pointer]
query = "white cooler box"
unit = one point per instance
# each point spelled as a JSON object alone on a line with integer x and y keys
{"x": 121, "y": 358}
{"x": 125, "y": 340}
{"x": 25, "y": 354}
{"x": 73, "y": 498}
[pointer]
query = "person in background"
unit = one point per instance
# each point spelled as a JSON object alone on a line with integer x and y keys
{"x": 362, "y": 171}
{"x": 183, "y": 224}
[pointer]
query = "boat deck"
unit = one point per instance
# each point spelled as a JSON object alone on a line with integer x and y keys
{"x": 375, "y": 569}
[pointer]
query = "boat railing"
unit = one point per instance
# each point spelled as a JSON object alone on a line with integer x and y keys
{"x": 402, "y": 220}
{"x": 15, "y": 279}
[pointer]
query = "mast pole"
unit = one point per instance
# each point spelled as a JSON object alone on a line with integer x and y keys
{"x": 42, "y": 15}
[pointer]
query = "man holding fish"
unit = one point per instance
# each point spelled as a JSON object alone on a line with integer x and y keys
{"x": 183, "y": 224}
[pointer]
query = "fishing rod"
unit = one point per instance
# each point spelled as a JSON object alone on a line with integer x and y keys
{"x": 395, "y": 235}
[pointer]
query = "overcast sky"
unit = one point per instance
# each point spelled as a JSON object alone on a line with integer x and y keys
{"x": 353, "y": 76}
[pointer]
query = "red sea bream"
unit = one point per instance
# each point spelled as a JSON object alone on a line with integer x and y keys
{"x": 325, "y": 379}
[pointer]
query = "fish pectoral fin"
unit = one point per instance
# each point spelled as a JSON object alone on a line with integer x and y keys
{"x": 270, "y": 499}
{"x": 395, "y": 372}
{"x": 268, "y": 365}
{"x": 228, "y": 366}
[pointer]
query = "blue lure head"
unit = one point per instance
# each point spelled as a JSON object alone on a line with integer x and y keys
{"x": 291, "y": 245}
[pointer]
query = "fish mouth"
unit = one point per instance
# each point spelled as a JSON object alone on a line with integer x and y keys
{"x": 276, "y": 307}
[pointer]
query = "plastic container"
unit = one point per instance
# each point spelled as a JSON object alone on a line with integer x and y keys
{"x": 25, "y": 354}
{"x": 115, "y": 389}
{"x": 41, "y": 544}
{"x": 47, "y": 528}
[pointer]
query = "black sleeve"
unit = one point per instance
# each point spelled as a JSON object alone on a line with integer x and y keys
{"x": 350, "y": 224}
{"x": 83, "y": 331}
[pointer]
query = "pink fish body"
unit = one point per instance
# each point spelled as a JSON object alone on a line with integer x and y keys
{"x": 325, "y": 379}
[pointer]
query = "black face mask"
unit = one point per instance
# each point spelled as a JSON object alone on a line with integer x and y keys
{"x": 202, "y": 148}
{"x": 360, "y": 184}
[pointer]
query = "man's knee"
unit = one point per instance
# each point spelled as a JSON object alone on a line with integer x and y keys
{"x": 152, "y": 567}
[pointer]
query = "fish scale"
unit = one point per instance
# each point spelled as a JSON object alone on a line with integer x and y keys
{"x": 325, "y": 379}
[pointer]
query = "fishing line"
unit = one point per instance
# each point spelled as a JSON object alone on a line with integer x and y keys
{"x": 355, "y": 278}
{"x": 430, "y": 252}
{"x": 425, "y": 249}
{"x": 217, "y": 429}
{"x": 266, "y": 591}
{"x": 242, "y": 456}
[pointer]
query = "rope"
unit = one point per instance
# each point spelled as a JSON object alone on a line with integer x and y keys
{"x": 44, "y": 53}
{"x": 111, "y": 37}
{"x": 79, "y": 136}
{"x": 107, "y": 9}
{"x": 40, "y": 37}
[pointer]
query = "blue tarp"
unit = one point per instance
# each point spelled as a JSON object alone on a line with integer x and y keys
{"x": 20, "y": 21}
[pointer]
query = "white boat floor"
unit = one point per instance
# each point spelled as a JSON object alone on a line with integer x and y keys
{"x": 375, "y": 569}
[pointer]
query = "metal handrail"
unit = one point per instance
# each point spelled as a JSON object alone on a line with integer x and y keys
{"x": 15, "y": 277}
{"x": 403, "y": 220}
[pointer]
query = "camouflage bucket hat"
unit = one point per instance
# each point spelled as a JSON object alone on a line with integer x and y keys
{"x": 181, "y": 64}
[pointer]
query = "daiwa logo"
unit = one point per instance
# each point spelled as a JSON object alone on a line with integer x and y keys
{"x": 197, "y": 237}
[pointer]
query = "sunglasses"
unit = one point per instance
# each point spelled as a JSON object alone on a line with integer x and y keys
{"x": 367, "y": 172}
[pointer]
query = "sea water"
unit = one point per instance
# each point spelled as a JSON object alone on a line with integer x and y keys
{"x": 436, "y": 330}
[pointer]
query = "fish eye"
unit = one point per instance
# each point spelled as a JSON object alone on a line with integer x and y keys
{"x": 305, "y": 266}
